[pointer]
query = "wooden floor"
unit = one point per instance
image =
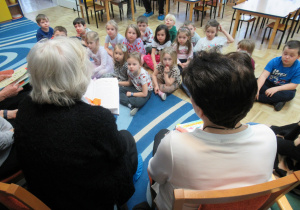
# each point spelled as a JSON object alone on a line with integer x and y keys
{"x": 260, "y": 113}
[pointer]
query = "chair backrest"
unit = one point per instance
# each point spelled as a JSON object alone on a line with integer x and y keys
{"x": 14, "y": 177}
{"x": 260, "y": 196}
{"x": 15, "y": 197}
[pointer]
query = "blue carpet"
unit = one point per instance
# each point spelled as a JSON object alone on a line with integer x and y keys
{"x": 151, "y": 118}
{"x": 16, "y": 40}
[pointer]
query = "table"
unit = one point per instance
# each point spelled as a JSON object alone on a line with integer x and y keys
{"x": 106, "y": 2}
{"x": 272, "y": 9}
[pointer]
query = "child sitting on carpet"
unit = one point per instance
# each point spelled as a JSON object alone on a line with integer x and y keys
{"x": 133, "y": 39}
{"x": 81, "y": 29}
{"x": 45, "y": 31}
{"x": 138, "y": 88}
{"x": 170, "y": 21}
{"x": 60, "y": 31}
{"x": 102, "y": 61}
{"x": 120, "y": 56}
{"x": 161, "y": 41}
{"x": 195, "y": 37}
{"x": 146, "y": 33}
{"x": 247, "y": 46}
{"x": 278, "y": 82}
{"x": 166, "y": 76}
{"x": 113, "y": 37}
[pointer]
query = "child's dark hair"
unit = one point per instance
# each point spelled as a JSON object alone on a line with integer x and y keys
{"x": 61, "y": 29}
{"x": 224, "y": 89}
{"x": 40, "y": 17}
{"x": 247, "y": 44}
{"x": 293, "y": 44}
{"x": 136, "y": 28}
{"x": 142, "y": 19}
{"x": 188, "y": 22}
{"x": 242, "y": 58}
{"x": 188, "y": 43}
{"x": 212, "y": 23}
{"x": 79, "y": 21}
{"x": 159, "y": 28}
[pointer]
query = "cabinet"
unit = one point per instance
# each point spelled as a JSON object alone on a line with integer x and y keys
{"x": 10, "y": 9}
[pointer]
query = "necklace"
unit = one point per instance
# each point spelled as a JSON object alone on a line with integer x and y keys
{"x": 208, "y": 126}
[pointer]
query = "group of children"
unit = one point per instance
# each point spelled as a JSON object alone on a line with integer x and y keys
{"x": 166, "y": 52}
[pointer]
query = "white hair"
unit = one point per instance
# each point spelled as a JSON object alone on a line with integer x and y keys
{"x": 60, "y": 71}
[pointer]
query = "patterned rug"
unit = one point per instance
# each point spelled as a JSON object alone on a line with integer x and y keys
{"x": 16, "y": 40}
{"x": 151, "y": 118}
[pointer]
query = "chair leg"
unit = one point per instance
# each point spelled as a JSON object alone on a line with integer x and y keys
{"x": 215, "y": 12}
{"x": 281, "y": 39}
{"x": 264, "y": 36}
{"x": 252, "y": 27}
{"x": 178, "y": 8}
{"x": 120, "y": 14}
{"x": 223, "y": 8}
{"x": 96, "y": 19}
{"x": 270, "y": 34}
{"x": 112, "y": 10}
{"x": 187, "y": 7}
{"x": 202, "y": 17}
{"x": 210, "y": 11}
{"x": 257, "y": 23}
{"x": 231, "y": 24}
{"x": 246, "y": 30}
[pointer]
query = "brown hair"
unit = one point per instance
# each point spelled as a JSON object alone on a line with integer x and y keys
{"x": 123, "y": 48}
{"x": 212, "y": 23}
{"x": 248, "y": 45}
{"x": 135, "y": 27}
{"x": 40, "y": 17}
{"x": 61, "y": 29}
{"x": 171, "y": 52}
{"x": 136, "y": 55}
{"x": 188, "y": 34}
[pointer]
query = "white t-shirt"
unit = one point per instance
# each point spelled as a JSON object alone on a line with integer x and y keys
{"x": 117, "y": 40}
{"x": 141, "y": 79}
{"x": 204, "y": 44}
{"x": 160, "y": 47}
{"x": 206, "y": 161}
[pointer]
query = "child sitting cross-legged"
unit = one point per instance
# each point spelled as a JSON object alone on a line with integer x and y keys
{"x": 195, "y": 37}
{"x": 81, "y": 29}
{"x": 113, "y": 37}
{"x": 146, "y": 33}
{"x": 135, "y": 92}
{"x": 120, "y": 56}
{"x": 166, "y": 76}
{"x": 278, "y": 82}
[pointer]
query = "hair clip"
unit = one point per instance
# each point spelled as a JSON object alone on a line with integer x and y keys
{"x": 124, "y": 48}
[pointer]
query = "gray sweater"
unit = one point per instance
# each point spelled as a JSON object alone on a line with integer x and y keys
{"x": 6, "y": 139}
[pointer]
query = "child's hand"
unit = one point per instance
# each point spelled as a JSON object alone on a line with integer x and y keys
{"x": 221, "y": 28}
{"x": 128, "y": 94}
{"x": 271, "y": 91}
{"x": 4, "y": 76}
{"x": 167, "y": 69}
{"x": 156, "y": 90}
{"x": 183, "y": 65}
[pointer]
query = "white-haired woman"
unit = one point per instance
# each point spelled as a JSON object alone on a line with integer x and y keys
{"x": 71, "y": 153}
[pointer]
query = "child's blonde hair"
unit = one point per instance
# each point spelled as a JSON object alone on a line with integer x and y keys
{"x": 248, "y": 45}
{"x": 212, "y": 23}
{"x": 92, "y": 36}
{"x": 41, "y": 17}
{"x": 188, "y": 34}
{"x": 135, "y": 27}
{"x": 170, "y": 16}
{"x": 124, "y": 49}
{"x": 171, "y": 52}
{"x": 112, "y": 23}
{"x": 136, "y": 55}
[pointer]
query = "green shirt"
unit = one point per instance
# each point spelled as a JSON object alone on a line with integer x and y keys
{"x": 173, "y": 33}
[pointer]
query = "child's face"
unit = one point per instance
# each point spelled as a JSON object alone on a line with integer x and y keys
{"x": 92, "y": 44}
{"x": 111, "y": 31}
{"x": 182, "y": 38}
{"x": 289, "y": 56}
{"x": 133, "y": 65}
{"x": 118, "y": 55}
{"x": 192, "y": 29}
{"x": 59, "y": 33}
{"x": 80, "y": 29}
{"x": 142, "y": 26}
{"x": 44, "y": 24}
{"x": 167, "y": 60}
{"x": 131, "y": 35}
{"x": 211, "y": 32}
{"x": 161, "y": 36}
{"x": 169, "y": 22}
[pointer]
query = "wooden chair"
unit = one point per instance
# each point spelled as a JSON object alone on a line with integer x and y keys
{"x": 283, "y": 27}
{"x": 14, "y": 178}
{"x": 201, "y": 8}
{"x": 213, "y": 4}
{"x": 84, "y": 5}
{"x": 15, "y": 197}
{"x": 260, "y": 196}
{"x": 120, "y": 5}
{"x": 244, "y": 18}
{"x": 97, "y": 8}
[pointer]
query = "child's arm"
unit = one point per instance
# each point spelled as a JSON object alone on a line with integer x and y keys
{"x": 140, "y": 47}
{"x": 153, "y": 58}
{"x": 109, "y": 51}
{"x": 168, "y": 80}
{"x": 230, "y": 39}
{"x": 126, "y": 83}
{"x": 154, "y": 80}
{"x": 189, "y": 57}
{"x": 144, "y": 92}
{"x": 261, "y": 81}
{"x": 271, "y": 91}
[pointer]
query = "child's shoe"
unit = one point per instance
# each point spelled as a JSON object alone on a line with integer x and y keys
{"x": 148, "y": 14}
{"x": 133, "y": 111}
{"x": 162, "y": 95}
{"x": 161, "y": 17}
